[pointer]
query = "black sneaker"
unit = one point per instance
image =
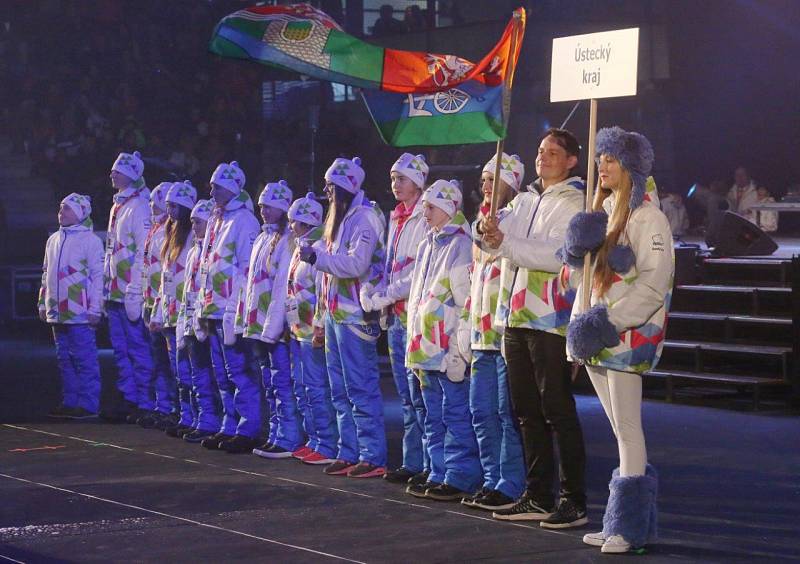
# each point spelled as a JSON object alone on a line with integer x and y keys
{"x": 178, "y": 431}
{"x": 445, "y": 492}
{"x": 493, "y": 500}
{"x": 399, "y": 476}
{"x": 525, "y": 509}
{"x": 198, "y": 436}
{"x": 213, "y": 442}
{"x": 469, "y": 501}
{"x": 569, "y": 514}
{"x": 419, "y": 479}
{"x": 419, "y": 490}
{"x": 239, "y": 444}
{"x": 148, "y": 420}
{"x": 80, "y": 413}
{"x": 165, "y": 420}
{"x": 272, "y": 451}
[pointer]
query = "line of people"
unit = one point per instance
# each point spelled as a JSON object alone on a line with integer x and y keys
{"x": 262, "y": 339}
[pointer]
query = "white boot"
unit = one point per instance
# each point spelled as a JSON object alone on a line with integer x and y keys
{"x": 594, "y": 539}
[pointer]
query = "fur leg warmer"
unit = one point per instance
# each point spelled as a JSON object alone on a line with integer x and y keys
{"x": 632, "y": 510}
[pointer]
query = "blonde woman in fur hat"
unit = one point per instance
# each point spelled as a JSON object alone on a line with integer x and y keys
{"x": 622, "y": 334}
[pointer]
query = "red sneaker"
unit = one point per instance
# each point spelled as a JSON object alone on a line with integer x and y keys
{"x": 316, "y": 458}
{"x": 339, "y": 468}
{"x": 302, "y": 452}
{"x": 366, "y": 470}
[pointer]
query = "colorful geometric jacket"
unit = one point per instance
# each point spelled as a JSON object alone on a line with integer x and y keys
{"x": 303, "y": 281}
{"x": 170, "y": 293}
{"x": 481, "y": 307}
{"x": 402, "y": 247}
{"x": 151, "y": 269}
{"x": 227, "y": 245}
{"x": 638, "y": 300}
{"x": 128, "y": 225}
{"x": 191, "y": 289}
{"x": 534, "y": 228}
{"x": 264, "y": 295}
{"x": 439, "y": 290}
{"x": 356, "y": 257}
{"x": 72, "y": 275}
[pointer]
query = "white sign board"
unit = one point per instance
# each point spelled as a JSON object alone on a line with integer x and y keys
{"x": 594, "y": 65}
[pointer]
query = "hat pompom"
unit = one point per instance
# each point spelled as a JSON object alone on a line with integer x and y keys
{"x": 421, "y": 157}
{"x": 357, "y": 160}
{"x": 235, "y": 163}
{"x": 311, "y": 196}
{"x": 283, "y": 183}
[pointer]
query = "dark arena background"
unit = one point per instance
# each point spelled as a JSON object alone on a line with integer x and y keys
{"x": 718, "y": 94}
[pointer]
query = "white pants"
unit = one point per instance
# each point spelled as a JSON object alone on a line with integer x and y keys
{"x": 620, "y": 394}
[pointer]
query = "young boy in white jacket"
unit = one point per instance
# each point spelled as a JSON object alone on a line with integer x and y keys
{"x": 70, "y": 299}
{"x": 265, "y": 320}
{"x": 499, "y": 442}
{"x": 224, "y": 263}
{"x": 128, "y": 225}
{"x": 438, "y": 346}
{"x": 407, "y": 229}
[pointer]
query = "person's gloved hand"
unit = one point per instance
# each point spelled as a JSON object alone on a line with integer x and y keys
{"x": 318, "y": 340}
{"x": 307, "y": 254}
{"x": 364, "y": 298}
{"x": 43, "y": 315}
{"x": 94, "y": 319}
{"x": 590, "y": 332}
{"x": 456, "y": 367}
{"x": 133, "y": 306}
{"x": 228, "y": 328}
{"x": 380, "y": 301}
{"x": 585, "y": 233}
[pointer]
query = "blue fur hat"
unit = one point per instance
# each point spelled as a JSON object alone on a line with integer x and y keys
{"x": 633, "y": 151}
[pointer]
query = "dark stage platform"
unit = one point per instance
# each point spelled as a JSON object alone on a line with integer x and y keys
{"x": 94, "y": 491}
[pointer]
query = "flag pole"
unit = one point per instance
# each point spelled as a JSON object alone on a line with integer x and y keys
{"x": 512, "y": 62}
{"x": 586, "y": 287}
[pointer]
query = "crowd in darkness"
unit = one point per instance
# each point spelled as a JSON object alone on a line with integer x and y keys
{"x": 94, "y": 78}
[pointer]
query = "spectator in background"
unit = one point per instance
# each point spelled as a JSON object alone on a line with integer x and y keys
{"x": 766, "y": 220}
{"x": 414, "y": 19}
{"x": 673, "y": 208}
{"x": 742, "y": 196}
{"x": 792, "y": 194}
{"x": 386, "y": 24}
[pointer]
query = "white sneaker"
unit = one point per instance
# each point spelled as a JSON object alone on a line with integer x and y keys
{"x": 594, "y": 539}
{"x": 615, "y": 544}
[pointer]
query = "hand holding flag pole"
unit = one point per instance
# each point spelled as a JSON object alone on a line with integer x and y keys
{"x": 511, "y": 64}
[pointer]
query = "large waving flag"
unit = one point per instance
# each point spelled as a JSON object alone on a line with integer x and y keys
{"x": 443, "y": 99}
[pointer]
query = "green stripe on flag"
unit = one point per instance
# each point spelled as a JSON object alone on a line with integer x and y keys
{"x": 353, "y": 57}
{"x": 441, "y": 130}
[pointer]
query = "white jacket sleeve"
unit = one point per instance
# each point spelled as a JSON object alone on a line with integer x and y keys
{"x": 95, "y": 255}
{"x": 399, "y": 289}
{"x": 42, "y": 302}
{"x": 140, "y": 226}
{"x": 245, "y": 237}
{"x": 276, "y": 312}
{"x": 651, "y": 242}
{"x": 460, "y": 284}
{"x": 355, "y": 262}
{"x": 538, "y": 252}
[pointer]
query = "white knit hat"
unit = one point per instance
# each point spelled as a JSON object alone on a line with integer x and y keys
{"x": 158, "y": 195}
{"x": 202, "y": 210}
{"x": 276, "y": 194}
{"x": 229, "y": 176}
{"x": 346, "y": 173}
{"x": 182, "y": 194}
{"x": 445, "y": 195}
{"x": 512, "y": 171}
{"x": 412, "y": 166}
{"x": 130, "y": 165}
{"x": 80, "y": 204}
{"x": 307, "y": 210}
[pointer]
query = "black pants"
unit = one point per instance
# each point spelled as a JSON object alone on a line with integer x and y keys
{"x": 541, "y": 397}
